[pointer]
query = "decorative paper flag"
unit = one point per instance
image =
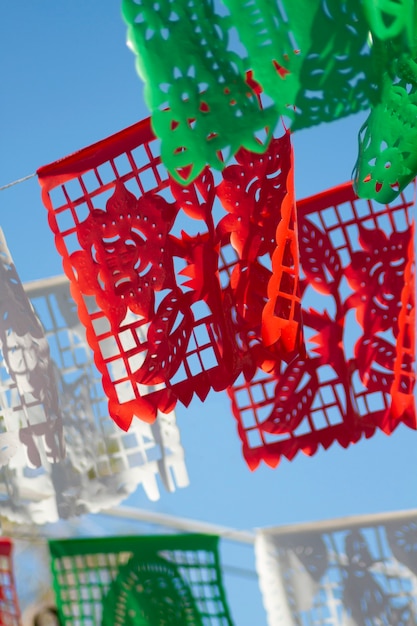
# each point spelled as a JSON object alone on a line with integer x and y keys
{"x": 9, "y": 606}
{"x": 387, "y": 159}
{"x": 173, "y": 318}
{"x": 358, "y": 302}
{"x": 103, "y": 465}
{"x": 316, "y": 61}
{"x": 201, "y": 102}
{"x": 340, "y": 573}
{"x": 153, "y": 580}
{"x": 312, "y": 58}
{"x": 31, "y": 419}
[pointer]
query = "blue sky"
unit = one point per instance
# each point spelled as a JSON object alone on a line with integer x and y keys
{"x": 68, "y": 80}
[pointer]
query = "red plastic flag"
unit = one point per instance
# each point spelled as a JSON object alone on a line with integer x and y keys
{"x": 9, "y": 606}
{"x": 358, "y": 304}
{"x": 186, "y": 299}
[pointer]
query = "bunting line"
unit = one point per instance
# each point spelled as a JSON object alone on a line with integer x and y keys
{"x": 18, "y": 181}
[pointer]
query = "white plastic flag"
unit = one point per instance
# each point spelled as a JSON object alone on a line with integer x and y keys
{"x": 31, "y": 429}
{"x": 103, "y": 464}
{"x": 351, "y": 572}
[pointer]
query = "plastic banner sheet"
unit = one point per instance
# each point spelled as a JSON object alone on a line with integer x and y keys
{"x": 197, "y": 92}
{"x": 9, "y": 605}
{"x": 30, "y": 413}
{"x": 314, "y": 61}
{"x": 152, "y": 580}
{"x": 387, "y": 160}
{"x": 173, "y": 317}
{"x": 103, "y": 465}
{"x": 340, "y": 573}
{"x": 358, "y": 306}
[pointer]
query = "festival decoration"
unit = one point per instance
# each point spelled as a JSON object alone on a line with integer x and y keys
{"x": 358, "y": 307}
{"x": 311, "y": 57}
{"x": 181, "y": 276}
{"x": 139, "y": 580}
{"x": 314, "y": 61}
{"x": 387, "y": 159}
{"x": 201, "y": 103}
{"x": 339, "y": 572}
{"x": 103, "y": 465}
{"x": 9, "y": 605}
{"x": 31, "y": 418}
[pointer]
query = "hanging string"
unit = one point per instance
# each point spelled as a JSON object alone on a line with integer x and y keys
{"x": 42, "y": 540}
{"x": 16, "y": 182}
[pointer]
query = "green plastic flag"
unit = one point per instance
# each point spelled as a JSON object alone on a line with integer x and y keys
{"x": 310, "y": 61}
{"x": 392, "y": 20}
{"x": 387, "y": 159}
{"x": 194, "y": 84}
{"x": 310, "y": 57}
{"x": 142, "y": 581}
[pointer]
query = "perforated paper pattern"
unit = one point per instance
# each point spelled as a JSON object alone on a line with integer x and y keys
{"x": 358, "y": 303}
{"x": 9, "y": 605}
{"x": 387, "y": 161}
{"x": 103, "y": 464}
{"x": 200, "y": 101}
{"x": 31, "y": 418}
{"x": 361, "y": 574}
{"x": 314, "y": 60}
{"x": 311, "y": 57}
{"x": 127, "y": 580}
{"x": 170, "y": 322}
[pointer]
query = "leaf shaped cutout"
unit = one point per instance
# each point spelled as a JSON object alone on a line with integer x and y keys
{"x": 371, "y": 351}
{"x": 167, "y": 347}
{"x": 293, "y": 398}
{"x": 320, "y": 262}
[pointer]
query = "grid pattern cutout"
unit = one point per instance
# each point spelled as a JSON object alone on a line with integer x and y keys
{"x": 359, "y": 371}
{"x": 9, "y": 606}
{"x": 84, "y": 573}
{"x": 147, "y": 450}
{"x": 363, "y": 574}
{"x": 120, "y": 181}
{"x": 103, "y": 464}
